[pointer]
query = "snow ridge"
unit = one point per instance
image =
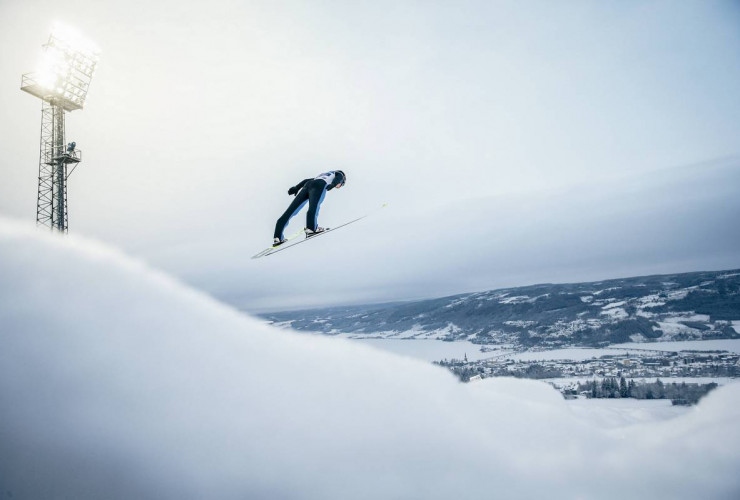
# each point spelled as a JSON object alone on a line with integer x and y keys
{"x": 118, "y": 382}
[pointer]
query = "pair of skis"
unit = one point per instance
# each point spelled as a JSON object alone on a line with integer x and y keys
{"x": 289, "y": 242}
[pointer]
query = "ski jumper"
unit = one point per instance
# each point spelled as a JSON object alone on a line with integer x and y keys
{"x": 313, "y": 192}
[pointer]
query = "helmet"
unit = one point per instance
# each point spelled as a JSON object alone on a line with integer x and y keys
{"x": 342, "y": 176}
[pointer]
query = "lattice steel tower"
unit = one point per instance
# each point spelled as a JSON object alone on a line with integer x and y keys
{"x": 61, "y": 82}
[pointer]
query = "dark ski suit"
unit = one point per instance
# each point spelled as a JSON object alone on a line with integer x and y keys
{"x": 313, "y": 192}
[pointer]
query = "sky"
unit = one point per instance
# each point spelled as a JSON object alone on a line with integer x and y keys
{"x": 117, "y": 381}
{"x": 514, "y": 142}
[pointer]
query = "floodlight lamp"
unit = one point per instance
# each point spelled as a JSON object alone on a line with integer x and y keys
{"x": 67, "y": 66}
{"x": 69, "y": 38}
{"x": 52, "y": 68}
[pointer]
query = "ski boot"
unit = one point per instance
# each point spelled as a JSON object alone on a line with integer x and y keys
{"x": 314, "y": 232}
{"x": 276, "y": 242}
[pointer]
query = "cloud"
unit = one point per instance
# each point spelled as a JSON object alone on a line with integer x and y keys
{"x": 425, "y": 103}
{"x": 116, "y": 381}
{"x": 674, "y": 220}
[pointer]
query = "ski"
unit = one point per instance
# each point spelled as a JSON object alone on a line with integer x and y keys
{"x": 271, "y": 248}
{"x": 285, "y": 246}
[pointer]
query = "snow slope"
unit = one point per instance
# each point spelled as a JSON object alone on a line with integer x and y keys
{"x": 118, "y": 382}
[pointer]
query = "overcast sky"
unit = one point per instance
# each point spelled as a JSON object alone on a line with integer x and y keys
{"x": 515, "y": 141}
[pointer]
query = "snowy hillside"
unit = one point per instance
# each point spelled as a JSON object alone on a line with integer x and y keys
{"x": 691, "y": 306}
{"x": 117, "y": 382}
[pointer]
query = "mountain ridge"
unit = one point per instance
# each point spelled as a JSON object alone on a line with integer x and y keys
{"x": 662, "y": 307}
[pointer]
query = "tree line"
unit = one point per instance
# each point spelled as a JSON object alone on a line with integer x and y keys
{"x": 678, "y": 393}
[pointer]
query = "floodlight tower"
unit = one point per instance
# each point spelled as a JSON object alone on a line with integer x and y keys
{"x": 61, "y": 82}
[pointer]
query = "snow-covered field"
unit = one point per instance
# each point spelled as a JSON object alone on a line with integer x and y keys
{"x": 567, "y": 381}
{"x": 580, "y": 354}
{"x": 118, "y": 382}
{"x": 574, "y": 353}
{"x": 435, "y": 350}
{"x": 619, "y": 413}
{"x": 731, "y": 345}
{"x": 429, "y": 349}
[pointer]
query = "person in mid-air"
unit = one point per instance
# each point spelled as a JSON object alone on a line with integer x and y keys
{"x": 311, "y": 191}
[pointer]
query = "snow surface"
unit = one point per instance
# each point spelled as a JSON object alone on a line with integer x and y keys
{"x": 583, "y": 353}
{"x": 614, "y": 304}
{"x": 572, "y": 353}
{"x": 615, "y": 313}
{"x": 619, "y": 413}
{"x": 436, "y": 350}
{"x": 430, "y": 349}
{"x": 570, "y": 381}
{"x": 118, "y": 382}
{"x": 731, "y": 345}
{"x": 650, "y": 301}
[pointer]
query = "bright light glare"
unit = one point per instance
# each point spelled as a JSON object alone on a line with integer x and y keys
{"x": 68, "y": 37}
{"x": 66, "y": 67}
{"x": 52, "y": 68}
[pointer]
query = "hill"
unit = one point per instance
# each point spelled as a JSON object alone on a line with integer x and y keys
{"x": 689, "y": 306}
{"x": 118, "y": 382}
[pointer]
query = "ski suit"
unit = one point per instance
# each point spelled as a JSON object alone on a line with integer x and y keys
{"x": 313, "y": 192}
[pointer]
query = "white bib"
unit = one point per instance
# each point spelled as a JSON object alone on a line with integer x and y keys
{"x": 327, "y": 177}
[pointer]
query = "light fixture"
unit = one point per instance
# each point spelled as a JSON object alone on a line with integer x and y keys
{"x": 61, "y": 81}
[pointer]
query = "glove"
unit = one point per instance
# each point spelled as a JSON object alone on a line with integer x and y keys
{"x": 293, "y": 191}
